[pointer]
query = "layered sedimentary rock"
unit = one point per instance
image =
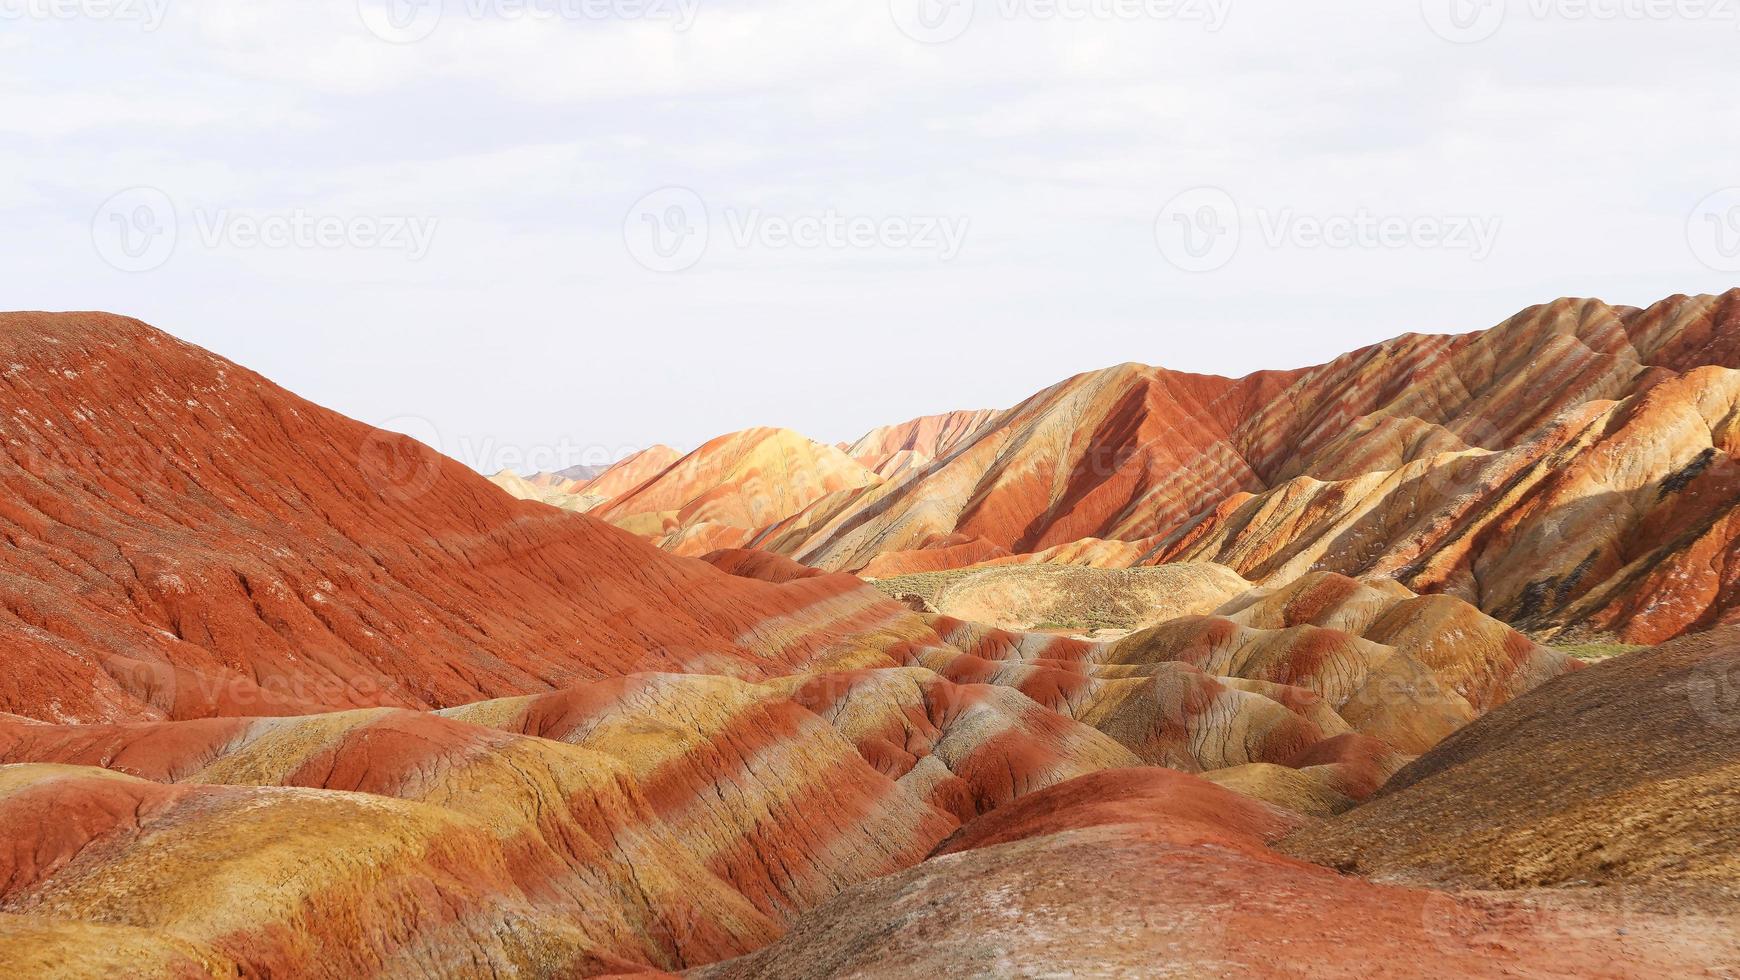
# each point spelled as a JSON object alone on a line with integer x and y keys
{"x": 586, "y": 487}
{"x": 447, "y": 850}
{"x": 632, "y": 471}
{"x": 721, "y": 494}
{"x": 1568, "y": 470}
{"x": 894, "y": 450}
{"x": 1406, "y": 672}
{"x": 1614, "y": 518}
{"x": 651, "y": 821}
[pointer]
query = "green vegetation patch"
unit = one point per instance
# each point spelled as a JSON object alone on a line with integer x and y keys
{"x": 929, "y": 585}
{"x": 1594, "y": 653}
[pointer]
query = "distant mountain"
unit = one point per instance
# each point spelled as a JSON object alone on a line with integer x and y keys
{"x": 583, "y": 473}
{"x": 721, "y": 494}
{"x": 923, "y": 438}
{"x": 1570, "y": 470}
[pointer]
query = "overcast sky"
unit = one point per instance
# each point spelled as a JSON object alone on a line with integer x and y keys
{"x": 574, "y": 226}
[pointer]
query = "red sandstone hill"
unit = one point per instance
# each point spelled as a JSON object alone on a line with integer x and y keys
{"x": 184, "y": 538}
{"x": 1569, "y": 469}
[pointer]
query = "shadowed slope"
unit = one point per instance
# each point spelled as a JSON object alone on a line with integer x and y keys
{"x": 1618, "y": 517}
{"x": 1622, "y": 774}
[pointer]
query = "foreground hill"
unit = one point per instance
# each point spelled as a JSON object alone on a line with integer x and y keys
{"x": 1138, "y": 897}
{"x": 1569, "y": 470}
{"x": 662, "y": 820}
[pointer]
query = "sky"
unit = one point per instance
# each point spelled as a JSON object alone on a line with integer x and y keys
{"x": 536, "y": 233}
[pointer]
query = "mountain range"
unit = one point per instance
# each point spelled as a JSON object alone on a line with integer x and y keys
{"x": 1567, "y": 471}
{"x": 289, "y": 695}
